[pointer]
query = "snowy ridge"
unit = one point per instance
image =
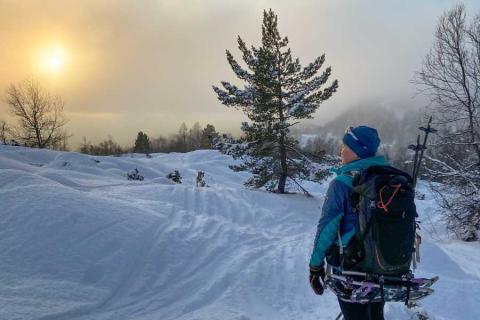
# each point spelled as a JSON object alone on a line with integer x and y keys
{"x": 80, "y": 241}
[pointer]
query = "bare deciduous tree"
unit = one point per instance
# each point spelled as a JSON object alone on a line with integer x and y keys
{"x": 182, "y": 136}
{"x": 451, "y": 78}
{"x": 40, "y": 114}
{"x": 61, "y": 143}
{"x": 4, "y": 131}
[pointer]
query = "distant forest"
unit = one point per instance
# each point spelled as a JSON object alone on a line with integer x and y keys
{"x": 185, "y": 140}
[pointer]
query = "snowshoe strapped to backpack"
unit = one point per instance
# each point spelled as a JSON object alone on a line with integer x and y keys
{"x": 383, "y": 198}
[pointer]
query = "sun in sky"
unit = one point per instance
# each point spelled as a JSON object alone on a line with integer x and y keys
{"x": 52, "y": 60}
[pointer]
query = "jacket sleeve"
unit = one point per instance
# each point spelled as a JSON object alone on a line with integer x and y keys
{"x": 332, "y": 213}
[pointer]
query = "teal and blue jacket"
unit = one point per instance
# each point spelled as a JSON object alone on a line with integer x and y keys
{"x": 337, "y": 213}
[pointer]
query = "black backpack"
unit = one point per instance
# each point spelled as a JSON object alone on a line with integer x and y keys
{"x": 383, "y": 198}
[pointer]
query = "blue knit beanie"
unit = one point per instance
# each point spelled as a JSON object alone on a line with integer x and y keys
{"x": 362, "y": 140}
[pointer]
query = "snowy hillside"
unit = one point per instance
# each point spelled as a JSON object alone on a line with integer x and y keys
{"x": 80, "y": 241}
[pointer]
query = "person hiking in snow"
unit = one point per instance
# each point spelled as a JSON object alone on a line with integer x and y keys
{"x": 358, "y": 152}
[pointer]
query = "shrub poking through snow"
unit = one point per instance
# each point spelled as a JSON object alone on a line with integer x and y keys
{"x": 200, "y": 181}
{"x": 134, "y": 175}
{"x": 175, "y": 176}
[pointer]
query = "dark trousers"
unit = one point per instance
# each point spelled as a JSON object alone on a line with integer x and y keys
{"x": 358, "y": 311}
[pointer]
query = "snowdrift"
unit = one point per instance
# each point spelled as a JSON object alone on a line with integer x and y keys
{"x": 80, "y": 241}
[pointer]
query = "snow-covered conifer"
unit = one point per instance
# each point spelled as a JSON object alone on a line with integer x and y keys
{"x": 142, "y": 143}
{"x": 209, "y": 134}
{"x": 277, "y": 93}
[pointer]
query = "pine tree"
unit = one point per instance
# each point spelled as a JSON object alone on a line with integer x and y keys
{"x": 142, "y": 143}
{"x": 209, "y": 134}
{"x": 277, "y": 92}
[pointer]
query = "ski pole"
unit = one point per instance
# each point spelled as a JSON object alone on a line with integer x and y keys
{"x": 415, "y": 147}
{"x": 427, "y": 131}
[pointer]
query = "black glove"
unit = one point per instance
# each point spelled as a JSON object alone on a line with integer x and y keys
{"x": 317, "y": 273}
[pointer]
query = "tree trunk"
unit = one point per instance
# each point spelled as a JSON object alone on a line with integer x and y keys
{"x": 283, "y": 158}
{"x": 472, "y": 134}
{"x": 283, "y": 151}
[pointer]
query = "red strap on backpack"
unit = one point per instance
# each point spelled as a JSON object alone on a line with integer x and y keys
{"x": 381, "y": 204}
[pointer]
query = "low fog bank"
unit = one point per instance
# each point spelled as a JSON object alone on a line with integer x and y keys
{"x": 397, "y": 124}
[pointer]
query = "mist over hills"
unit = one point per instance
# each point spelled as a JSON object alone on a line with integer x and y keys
{"x": 397, "y": 124}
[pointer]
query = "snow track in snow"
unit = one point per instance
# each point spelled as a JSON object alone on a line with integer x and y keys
{"x": 80, "y": 241}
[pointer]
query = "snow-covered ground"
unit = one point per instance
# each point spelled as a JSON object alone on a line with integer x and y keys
{"x": 80, "y": 241}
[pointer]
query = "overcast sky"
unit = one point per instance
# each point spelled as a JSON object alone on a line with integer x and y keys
{"x": 149, "y": 65}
